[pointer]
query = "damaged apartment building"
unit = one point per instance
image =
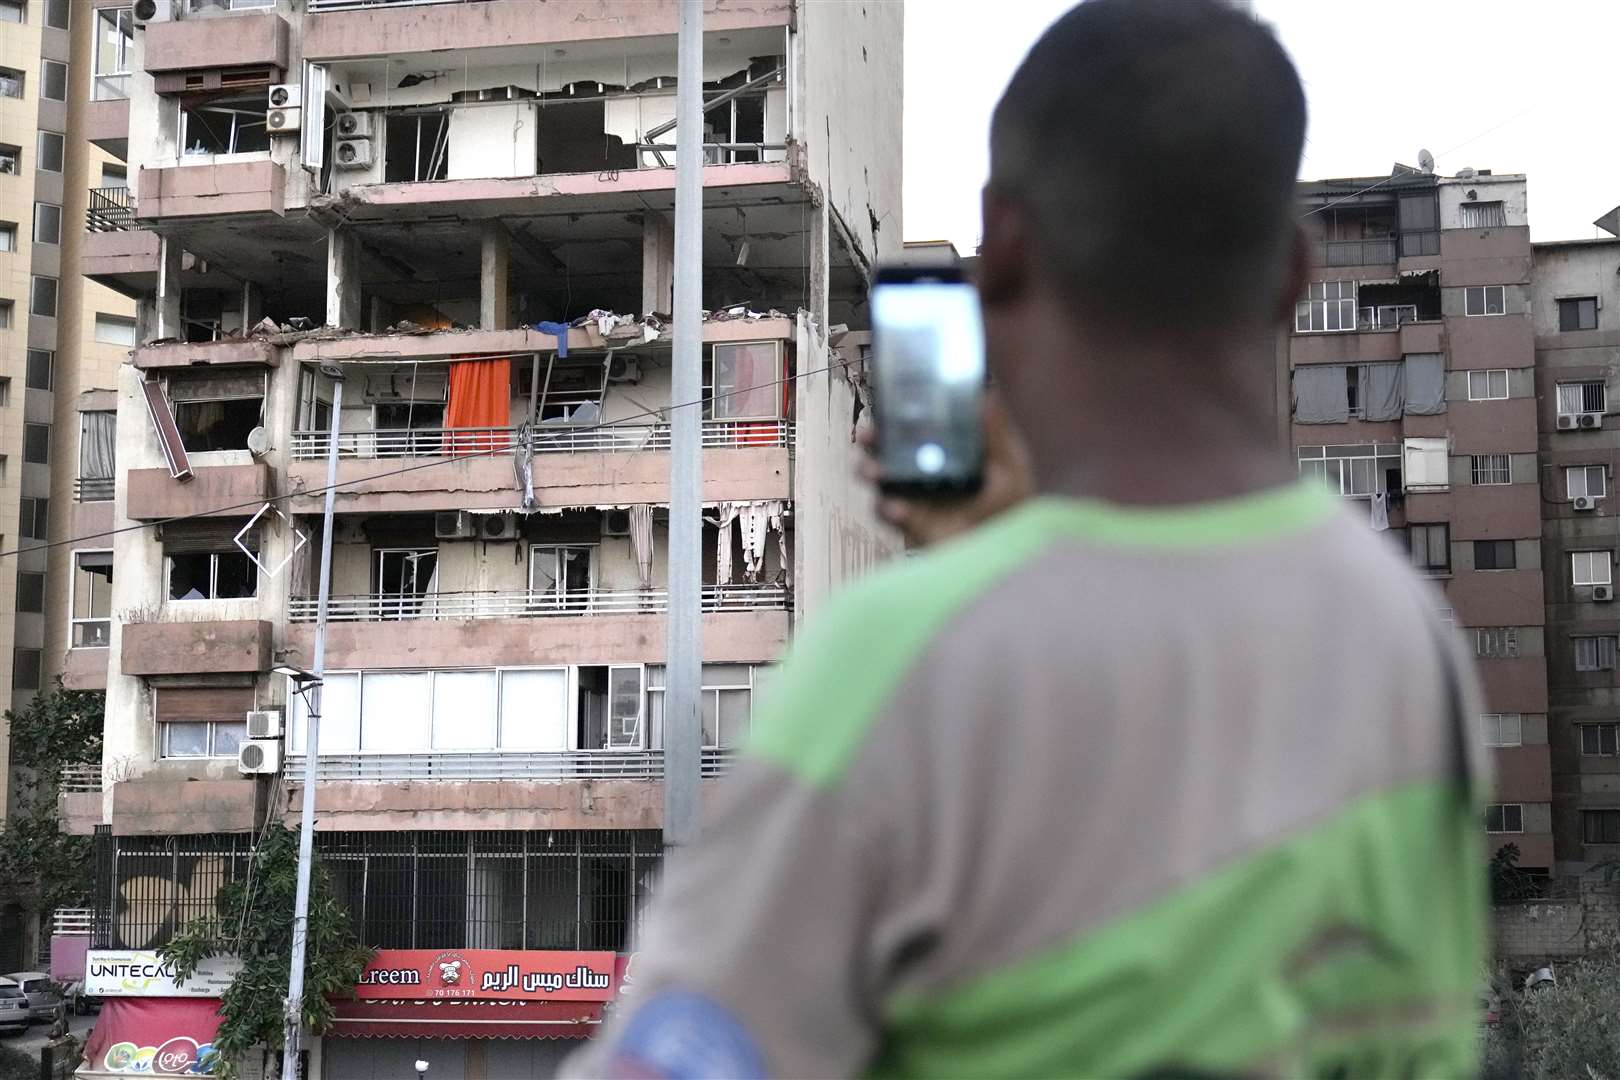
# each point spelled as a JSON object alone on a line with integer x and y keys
{"x": 1412, "y": 371}
{"x": 456, "y": 218}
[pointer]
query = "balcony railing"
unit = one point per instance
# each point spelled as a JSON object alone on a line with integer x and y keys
{"x": 93, "y": 488}
{"x": 72, "y": 922}
{"x": 1386, "y": 316}
{"x": 109, "y": 210}
{"x": 81, "y": 779}
{"x": 1358, "y": 252}
{"x": 530, "y": 605}
{"x": 610, "y": 438}
{"x": 503, "y": 765}
{"x": 352, "y": 5}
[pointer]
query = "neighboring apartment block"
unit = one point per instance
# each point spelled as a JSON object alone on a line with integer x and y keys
{"x": 61, "y": 340}
{"x": 1413, "y": 394}
{"x": 460, "y": 216}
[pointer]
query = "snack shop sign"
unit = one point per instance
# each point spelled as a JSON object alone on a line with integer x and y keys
{"x": 487, "y": 975}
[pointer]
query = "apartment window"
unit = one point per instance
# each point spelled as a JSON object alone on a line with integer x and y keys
{"x": 1490, "y": 385}
{"x": 1579, "y": 397}
{"x": 6, "y": 307}
{"x": 47, "y": 223}
{"x": 25, "y": 669}
{"x": 1328, "y": 305}
{"x": 37, "y": 444}
{"x": 202, "y": 722}
{"x": 115, "y": 33}
{"x": 51, "y": 146}
{"x": 404, "y": 576}
{"x": 416, "y": 147}
{"x": 1352, "y": 470}
{"x": 1492, "y": 469}
{"x": 30, "y": 592}
{"x": 42, "y": 296}
{"x": 747, "y": 382}
{"x": 1496, "y": 642}
{"x": 1485, "y": 300}
{"x": 1431, "y": 548}
{"x": 216, "y": 411}
{"x": 98, "y": 455}
{"x": 725, "y": 704}
{"x": 12, "y": 10}
{"x": 8, "y": 236}
{"x": 1495, "y": 555}
{"x": 10, "y": 159}
{"x": 115, "y": 330}
{"x": 226, "y": 125}
{"x": 1600, "y": 826}
{"x": 1427, "y": 464}
{"x": 91, "y": 604}
{"x": 212, "y": 575}
{"x": 1577, "y": 313}
{"x": 53, "y": 80}
{"x": 1504, "y": 817}
{"x": 1589, "y": 567}
{"x": 1595, "y": 652}
{"x": 1502, "y": 729}
{"x": 114, "y": 176}
{"x": 33, "y": 517}
{"x": 11, "y": 82}
{"x": 57, "y": 13}
{"x": 39, "y": 373}
{"x": 1592, "y": 481}
{"x": 1600, "y": 739}
{"x": 561, "y": 576}
{"x": 1483, "y": 215}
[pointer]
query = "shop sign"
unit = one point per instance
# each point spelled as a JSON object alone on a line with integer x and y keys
{"x": 487, "y": 975}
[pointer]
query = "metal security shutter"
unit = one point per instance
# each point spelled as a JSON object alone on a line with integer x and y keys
{"x": 202, "y": 537}
{"x": 226, "y": 703}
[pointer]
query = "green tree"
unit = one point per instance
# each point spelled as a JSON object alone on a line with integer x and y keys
{"x": 255, "y": 923}
{"x": 58, "y": 728}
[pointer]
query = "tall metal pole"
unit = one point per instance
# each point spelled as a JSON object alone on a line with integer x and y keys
{"x": 293, "y": 1030}
{"x": 683, "y": 737}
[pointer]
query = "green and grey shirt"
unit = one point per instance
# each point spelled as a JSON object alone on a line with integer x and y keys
{"x": 1091, "y": 791}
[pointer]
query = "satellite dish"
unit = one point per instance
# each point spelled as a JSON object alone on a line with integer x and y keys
{"x": 258, "y": 442}
{"x": 1425, "y": 163}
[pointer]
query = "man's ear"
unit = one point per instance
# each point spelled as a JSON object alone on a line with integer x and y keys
{"x": 1004, "y": 250}
{"x": 1296, "y": 278}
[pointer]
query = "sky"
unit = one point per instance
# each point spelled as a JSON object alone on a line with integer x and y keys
{"x": 1515, "y": 86}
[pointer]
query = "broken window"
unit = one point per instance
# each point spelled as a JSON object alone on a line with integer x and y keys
{"x": 572, "y": 135}
{"x": 421, "y": 422}
{"x": 205, "y": 562}
{"x": 404, "y": 576}
{"x": 561, "y": 576}
{"x": 610, "y": 708}
{"x": 573, "y": 392}
{"x": 416, "y": 147}
{"x": 225, "y": 124}
{"x": 92, "y": 599}
{"x": 216, "y": 411}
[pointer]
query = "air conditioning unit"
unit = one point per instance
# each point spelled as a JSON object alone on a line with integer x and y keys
{"x": 354, "y": 125}
{"x": 1584, "y": 502}
{"x": 624, "y": 369}
{"x": 1566, "y": 421}
{"x": 453, "y": 525}
{"x": 151, "y": 11}
{"x": 497, "y": 526}
{"x": 259, "y": 757}
{"x": 1590, "y": 420}
{"x": 353, "y": 154}
{"x": 283, "y": 121}
{"x": 264, "y": 724}
{"x": 286, "y": 96}
{"x": 616, "y": 523}
{"x": 1602, "y": 594}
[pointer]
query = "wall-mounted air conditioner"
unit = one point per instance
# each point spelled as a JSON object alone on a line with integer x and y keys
{"x": 616, "y": 523}
{"x": 259, "y": 757}
{"x": 264, "y": 724}
{"x": 497, "y": 526}
{"x": 1602, "y": 594}
{"x": 1566, "y": 421}
{"x": 354, "y": 125}
{"x": 283, "y": 121}
{"x": 453, "y": 525}
{"x": 625, "y": 369}
{"x": 152, "y": 11}
{"x": 1583, "y": 502}
{"x": 353, "y": 154}
{"x": 286, "y": 96}
{"x": 1589, "y": 420}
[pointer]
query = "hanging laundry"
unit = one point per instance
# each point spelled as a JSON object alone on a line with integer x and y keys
{"x": 1380, "y": 512}
{"x": 558, "y": 330}
{"x": 754, "y": 521}
{"x": 722, "y": 544}
{"x": 523, "y": 463}
{"x": 776, "y": 512}
{"x": 641, "y": 541}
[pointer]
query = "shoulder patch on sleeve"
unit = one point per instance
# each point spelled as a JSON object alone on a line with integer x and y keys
{"x": 681, "y": 1035}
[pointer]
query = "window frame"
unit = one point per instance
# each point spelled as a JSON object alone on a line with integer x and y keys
{"x": 29, "y": 428}
{"x": 1496, "y": 642}
{"x": 1599, "y": 652}
{"x": 1577, "y": 304}
{"x": 38, "y": 235}
{"x": 1313, "y": 463}
{"x": 34, "y": 517}
{"x": 74, "y": 621}
{"x": 14, "y": 154}
{"x": 14, "y": 78}
{"x": 34, "y": 283}
{"x": 50, "y": 369}
{"x": 37, "y": 663}
{"x": 1590, "y": 554}
{"x": 1488, "y": 373}
{"x": 1501, "y": 810}
{"x": 8, "y": 237}
{"x": 1602, "y": 815}
{"x": 1598, "y": 730}
{"x": 112, "y": 85}
{"x": 1430, "y": 568}
{"x": 1584, "y": 385}
{"x": 47, "y": 75}
{"x": 1585, "y": 472}
{"x": 119, "y": 320}
{"x": 1497, "y": 722}
{"x": 213, "y": 729}
{"x": 8, "y": 312}
{"x": 1513, "y": 555}
{"x": 39, "y": 150}
{"x": 1484, "y": 293}
{"x": 1483, "y": 208}
{"x": 213, "y": 579}
{"x": 1490, "y": 470}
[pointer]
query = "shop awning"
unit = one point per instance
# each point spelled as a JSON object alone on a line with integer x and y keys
{"x": 150, "y": 1035}
{"x": 465, "y": 1019}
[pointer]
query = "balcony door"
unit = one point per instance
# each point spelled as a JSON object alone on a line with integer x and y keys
{"x": 561, "y": 576}
{"x": 405, "y": 576}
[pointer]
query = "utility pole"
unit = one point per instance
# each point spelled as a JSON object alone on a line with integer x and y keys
{"x": 683, "y": 672}
{"x": 293, "y": 1031}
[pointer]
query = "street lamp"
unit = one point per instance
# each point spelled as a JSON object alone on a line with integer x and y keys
{"x": 421, "y": 1069}
{"x": 302, "y": 680}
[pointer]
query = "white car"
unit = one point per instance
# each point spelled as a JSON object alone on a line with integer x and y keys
{"x": 14, "y": 1012}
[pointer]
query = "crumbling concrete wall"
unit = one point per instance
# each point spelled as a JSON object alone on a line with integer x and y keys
{"x": 1540, "y": 930}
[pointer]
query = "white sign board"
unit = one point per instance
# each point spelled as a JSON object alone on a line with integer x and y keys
{"x": 142, "y": 973}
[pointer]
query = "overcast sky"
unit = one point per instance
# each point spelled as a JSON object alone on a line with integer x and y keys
{"x": 1507, "y": 85}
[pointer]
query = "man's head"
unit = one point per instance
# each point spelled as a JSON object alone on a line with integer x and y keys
{"x": 1142, "y": 170}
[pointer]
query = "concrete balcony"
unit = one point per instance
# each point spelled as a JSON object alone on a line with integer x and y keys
{"x": 106, "y": 123}
{"x": 205, "y": 189}
{"x": 240, "y": 41}
{"x": 163, "y": 806}
{"x": 85, "y": 669}
{"x": 186, "y": 648}
{"x": 152, "y": 494}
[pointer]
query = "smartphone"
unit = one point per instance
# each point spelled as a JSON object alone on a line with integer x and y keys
{"x": 928, "y": 377}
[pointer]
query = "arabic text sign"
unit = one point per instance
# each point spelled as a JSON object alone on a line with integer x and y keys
{"x": 488, "y": 975}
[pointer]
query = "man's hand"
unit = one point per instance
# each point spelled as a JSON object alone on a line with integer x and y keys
{"x": 1008, "y": 481}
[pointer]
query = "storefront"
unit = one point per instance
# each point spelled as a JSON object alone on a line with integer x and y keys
{"x": 149, "y": 1023}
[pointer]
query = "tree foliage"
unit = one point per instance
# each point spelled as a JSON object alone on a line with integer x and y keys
{"x": 254, "y": 922}
{"x": 1567, "y": 1029}
{"x": 59, "y": 727}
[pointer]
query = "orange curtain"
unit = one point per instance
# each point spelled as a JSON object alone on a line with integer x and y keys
{"x": 480, "y": 397}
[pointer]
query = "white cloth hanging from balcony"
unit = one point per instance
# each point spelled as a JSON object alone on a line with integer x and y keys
{"x": 722, "y": 545}
{"x": 755, "y": 520}
{"x": 641, "y": 541}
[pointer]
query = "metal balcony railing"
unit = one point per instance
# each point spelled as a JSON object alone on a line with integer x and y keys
{"x": 528, "y": 605}
{"x": 607, "y": 438}
{"x": 1358, "y": 252}
{"x": 93, "y": 488}
{"x": 110, "y": 210}
{"x": 72, "y": 922}
{"x": 353, "y": 5}
{"x": 83, "y": 778}
{"x": 502, "y": 765}
{"x": 1386, "y": 316}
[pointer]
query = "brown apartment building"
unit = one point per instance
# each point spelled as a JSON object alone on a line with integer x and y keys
{"x": 1413, "y": 395}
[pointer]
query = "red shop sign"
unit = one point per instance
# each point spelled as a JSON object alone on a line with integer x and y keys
{"x": 487, "y": 975}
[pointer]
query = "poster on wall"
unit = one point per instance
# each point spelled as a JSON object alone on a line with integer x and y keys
{"x": 154, "y": 1036}
{"x": 487, "y": 975}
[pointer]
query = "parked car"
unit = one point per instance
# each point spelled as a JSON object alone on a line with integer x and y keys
{"x": 44, "y": 996}
{"x": 14, "y": 1012}
{"x": 79, "y": 1003}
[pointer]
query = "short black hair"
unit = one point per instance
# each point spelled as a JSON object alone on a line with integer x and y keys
{"x": 1154, "y": 145}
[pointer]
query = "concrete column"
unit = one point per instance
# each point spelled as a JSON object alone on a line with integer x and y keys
{"x": 342, "y": 279}
{"x": 376, "y": 319}
{"x": 494, "y": 266}
{"x": 167, "y": 302}
{"x": 657, "y": 263}
{"x": 252, "y": 305}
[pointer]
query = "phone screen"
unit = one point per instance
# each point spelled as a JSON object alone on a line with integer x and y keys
{"x": 928, "y": 374}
